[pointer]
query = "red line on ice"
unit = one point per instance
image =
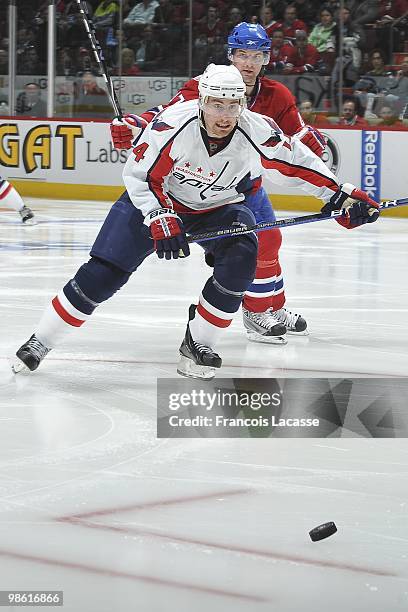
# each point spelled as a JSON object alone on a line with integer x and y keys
{"x": 129, "y": 576}
{"x": 80, "y": 520}
{"x": 338, "y": 565}
{"x": 153, "y": 504}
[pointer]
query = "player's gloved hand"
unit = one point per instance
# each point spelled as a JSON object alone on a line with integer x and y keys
{"x": 125, "y": 130}
{"x": 166, "y": 229}
{"x": 358, "y": 206}
{"x": 312, "y": 138}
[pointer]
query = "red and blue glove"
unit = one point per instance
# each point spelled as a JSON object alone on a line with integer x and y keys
{"x": 312, "y": 138}
{"x": 125, "y": 130}
{"x": 358, "y": 206}
{"x": 166, "y": 229}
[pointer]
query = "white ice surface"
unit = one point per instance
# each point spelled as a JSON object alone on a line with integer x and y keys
{"x": 93, "y": 504}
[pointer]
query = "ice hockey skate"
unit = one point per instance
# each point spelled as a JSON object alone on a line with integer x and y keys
{"x": 27, "y": 216}
{"x": 295, "y": 324}
{"x": 30, "y": 355}
{"x": 264, "y": 327}
{"x": 197, "y": 360}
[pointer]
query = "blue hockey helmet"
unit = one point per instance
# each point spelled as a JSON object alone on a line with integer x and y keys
{"x": 250, "y": 37}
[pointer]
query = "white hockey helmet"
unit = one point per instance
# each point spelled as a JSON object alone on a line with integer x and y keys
{"x": 224, "y": 82}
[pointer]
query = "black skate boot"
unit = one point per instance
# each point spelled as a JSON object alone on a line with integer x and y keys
{"x": 295, "y": 324}
{"x": 30, "y": 355}
{"x": 27, "y": 216}
{"x": 196, "y": 360}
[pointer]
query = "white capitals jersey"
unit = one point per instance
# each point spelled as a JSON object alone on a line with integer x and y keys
{"x": 170, "y": 166}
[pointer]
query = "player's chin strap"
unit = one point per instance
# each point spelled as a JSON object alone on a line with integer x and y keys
{"x": 281, "y": 223}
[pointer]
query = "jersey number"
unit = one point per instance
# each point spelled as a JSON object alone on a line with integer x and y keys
{"x": 139, "y": 151}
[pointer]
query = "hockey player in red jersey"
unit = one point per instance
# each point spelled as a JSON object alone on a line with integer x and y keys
{"x": 265, "y": 317}
{"x": 193, "y": 169}
{"x": 10, "y": 198}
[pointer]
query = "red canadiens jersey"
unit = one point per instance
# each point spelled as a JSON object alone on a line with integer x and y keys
{"x": 305, "y": 61}
{"x": 270, "y": 98}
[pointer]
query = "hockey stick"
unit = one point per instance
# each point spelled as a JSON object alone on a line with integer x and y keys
{"x": 266, "y": 225}
{"x": 98, "y": 52}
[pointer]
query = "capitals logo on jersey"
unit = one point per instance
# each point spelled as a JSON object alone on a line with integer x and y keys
{"x": 275, "y": 139}
{"x": 160, "y": 126}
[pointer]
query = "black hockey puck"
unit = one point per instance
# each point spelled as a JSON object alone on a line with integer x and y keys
{"x": 322, "y": 531}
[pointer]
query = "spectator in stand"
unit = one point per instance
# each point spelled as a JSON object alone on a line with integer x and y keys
{"x": 129, "y": 66}
{"x": 309, "y": 115}
{"x": 323, "y": 37}
{"x": 85, "y": 62}
{"x": 65, "y": 63}
{"x": 30, "y": 63}
{"x": 389, "y": 16}
{"x": 279, "y": 53}
{"x": 278, "y": 7}
{"x": 377, "y": 64}
{"x": 140, "y": 15}
{"x": 212, "y": 26}
{"x": 234, "y": 18}
{"x": 389, "y": 117}
{"x": 266, "y": 19}
{"x": 3, "y": 61}
{"x": 306, "y": 10}
{"x": 149, "y": 55}
{"x": 221, "y": 6}
{"x": 398, "y": 92}
{"x": 349, "y": 116}
{"x": 105, "y": 15}
{"x": 290, "y": 24}
{"x": 212, "y": 31}
{"x": 364, "y": 12}
{"x": 90, "y": 100}
{"x": 403, "y": 69}
{"x": 29, "y": 101}
{"x": 303, "y": 57}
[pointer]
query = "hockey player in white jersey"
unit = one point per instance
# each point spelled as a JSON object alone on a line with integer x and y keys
{"x": 10, "y": 198}
{"x": 191, "y": 171}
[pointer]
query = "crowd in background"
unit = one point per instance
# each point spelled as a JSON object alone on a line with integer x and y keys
{"x": 153, "y": 38}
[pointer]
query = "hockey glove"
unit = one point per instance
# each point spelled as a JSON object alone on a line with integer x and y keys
{"x": 312, "y": 138}
{"x": 123, "y": 132}
{"x": 166, "y": 229}
{"x": 359, "y": 207}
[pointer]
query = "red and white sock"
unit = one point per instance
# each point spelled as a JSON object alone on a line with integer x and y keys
{"x": 9, "y": 196}
{"x": 209, "y": 323}
{"x": 59, "y": 319}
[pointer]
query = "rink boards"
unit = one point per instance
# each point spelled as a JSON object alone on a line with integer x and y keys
{"x": 75, "y": 159}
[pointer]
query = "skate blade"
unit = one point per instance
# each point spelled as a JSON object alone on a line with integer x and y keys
{"x": 18, "y": 366}
{"x": 295, "y": 333}
{"x": 30, "y": 222}
{"x": 187, "y": 367}
{"x": 276, "y": 340}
